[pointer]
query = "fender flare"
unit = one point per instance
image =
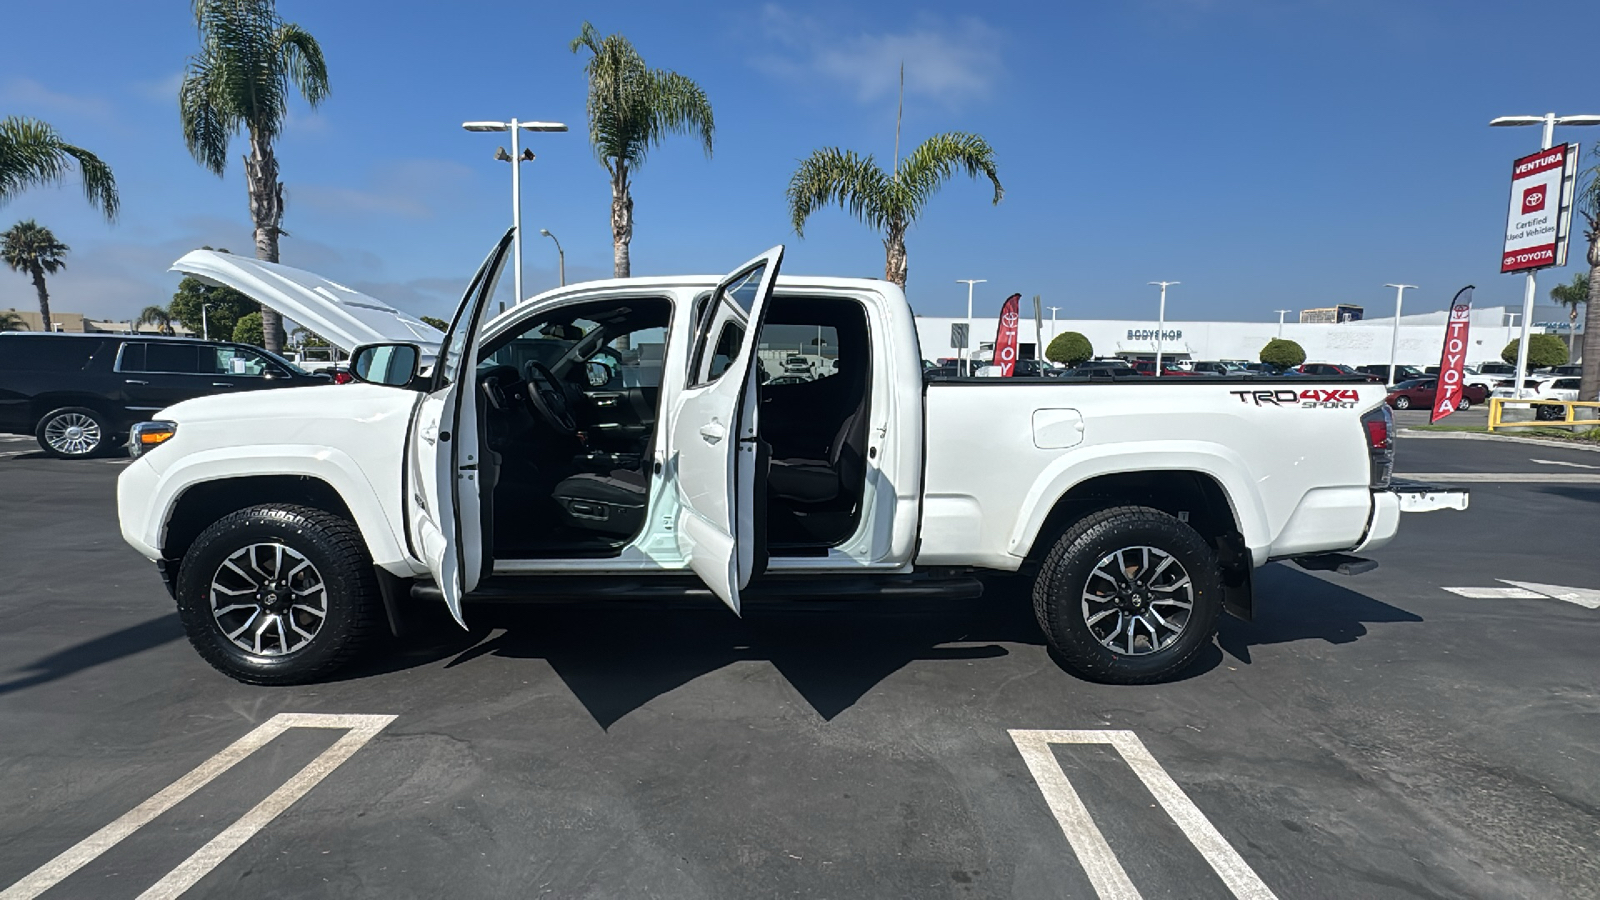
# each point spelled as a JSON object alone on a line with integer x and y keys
{"x": 1073, "y": 468}
{"x": 329, "y": 465}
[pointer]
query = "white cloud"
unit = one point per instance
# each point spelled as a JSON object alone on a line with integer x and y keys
{"x": 34, "y": 98}
{"x": 954, "y": 62}
{"x": 408, "y": 188}
{"x": 162, "y": 90}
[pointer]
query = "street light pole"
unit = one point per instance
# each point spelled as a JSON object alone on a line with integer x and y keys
{"x": 1052, "y": 322}
{"x": 1394, "y": 339}
{"x": 516, "y": 159}
{"x": 1549, "y": 121}
{"x": 1161, "y": 321}
{"x": 561, "y": 255}
{"x": 969, "y": 282}
{"x": 1281, "y": 313}
{"x": 205, "y": 326}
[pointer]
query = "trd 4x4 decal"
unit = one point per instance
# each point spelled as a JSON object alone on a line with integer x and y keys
{"x": 1314, "y": 398}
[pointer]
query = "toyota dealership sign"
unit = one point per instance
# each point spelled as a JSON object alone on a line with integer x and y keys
{"x": 1541, "y": 209}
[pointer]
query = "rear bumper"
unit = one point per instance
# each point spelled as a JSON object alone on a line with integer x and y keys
{"x": 1406, "y": 497}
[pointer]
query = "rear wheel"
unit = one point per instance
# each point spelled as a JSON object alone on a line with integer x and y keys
{"x": 1464, "y": 405}
{"x": 278, "y": 594}
{"x": 1128, "y": 595}
{"x": 73, "y": 432}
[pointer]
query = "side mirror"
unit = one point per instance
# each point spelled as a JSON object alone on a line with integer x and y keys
{"x": 599, "y": 373}
{"x": 394, "y": 365}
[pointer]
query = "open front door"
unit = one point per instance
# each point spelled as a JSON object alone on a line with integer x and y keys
{"x": 714, "y": 437}
{"x": 444, "y": 505}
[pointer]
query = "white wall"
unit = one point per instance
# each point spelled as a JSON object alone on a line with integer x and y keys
{"x": 1351, "y": 343}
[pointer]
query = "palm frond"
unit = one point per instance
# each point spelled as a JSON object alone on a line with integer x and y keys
{"x": 28, "y": 244}
{"x": 1588, "y": 198}
{"x": 631, "y": 107}
{"x": 206, "y": 128}
{"x": 854, "y": 182}
{"x": 679, "y": 106}
{"x": 33, "y": 154}
{"x": 934, "y": 161}
{"x": 300, "y": 59}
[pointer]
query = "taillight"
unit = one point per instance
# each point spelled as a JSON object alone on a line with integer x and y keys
{"x": 342, "y": 377}
{"x": 1378, "y": 424}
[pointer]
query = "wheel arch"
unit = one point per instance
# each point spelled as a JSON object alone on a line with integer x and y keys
{"x": 204, "y": 487}
{"x": 41, "y": 405}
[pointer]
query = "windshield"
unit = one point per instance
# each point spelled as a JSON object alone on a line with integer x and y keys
{"x": 282, "y": 362}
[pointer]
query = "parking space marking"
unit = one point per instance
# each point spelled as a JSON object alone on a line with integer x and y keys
{"x": 1588, "y": 598}
{"x": 1562, "y": 462}
{"x": 1100, "y": 864}
{"x": 1494, "y": 593}
{"x": 359, "y": 730}
{"x": 1506, "y": 477}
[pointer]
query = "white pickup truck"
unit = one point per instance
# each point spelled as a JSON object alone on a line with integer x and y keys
{"x": 640, "y": 437}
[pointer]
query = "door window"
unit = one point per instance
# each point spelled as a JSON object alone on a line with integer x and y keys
{"x": 234, "y": 361}
{"x": 723, "y": 319}
{"x": 162, "y": 358}
{"x": 46, "y": 354}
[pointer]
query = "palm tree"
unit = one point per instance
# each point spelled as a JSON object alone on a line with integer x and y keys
{"x": 30, "y": 247}
{"x": 240, "y": 80}
{"x": 1572, "y": 295}
{"x": 158, "y": 317}
{"x": 11, "y": 320}
{"x": 1589, "y": 208}
{"x": 632, "y": 107}
{"x": 32, "y": 154}
{"x": 890, "y": 203}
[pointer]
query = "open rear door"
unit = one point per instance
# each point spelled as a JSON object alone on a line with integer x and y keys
{"x": 444, "y": 506}
{"x": 714, "y": 435}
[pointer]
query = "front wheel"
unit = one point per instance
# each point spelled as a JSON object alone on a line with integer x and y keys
{"x": 73, "y": 432}
{"x": 1128, "y": 595}
{"x": 1402, "y": 402}
{"x": 1464, "y": 404}
{"x": 278, "y": 594}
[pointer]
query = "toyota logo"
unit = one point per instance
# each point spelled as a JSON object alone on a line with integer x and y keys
{"x": 1536, "y": 198}
{"x": 1009, "y": 319}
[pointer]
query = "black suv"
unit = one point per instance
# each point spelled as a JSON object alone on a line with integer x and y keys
{"x": 80, "y": 393}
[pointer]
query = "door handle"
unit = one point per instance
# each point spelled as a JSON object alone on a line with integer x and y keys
{"x": 135, "y": 381}
{"x": 222, "y": 384}
{"x": 713, "y": 433}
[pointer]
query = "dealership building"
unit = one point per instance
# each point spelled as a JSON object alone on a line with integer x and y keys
{"x": 1351, "y": 341}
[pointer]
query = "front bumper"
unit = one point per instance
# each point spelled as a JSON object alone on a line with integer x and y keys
{"x": 136, "y": 494}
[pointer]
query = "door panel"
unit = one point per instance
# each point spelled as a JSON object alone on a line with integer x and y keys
{"x": 714, "y": 437}
{"x": 446, "y": 510}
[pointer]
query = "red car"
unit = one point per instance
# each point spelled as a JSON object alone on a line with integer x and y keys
{"x": 1420, "y": 393}
{"x": 1336, "y": 370}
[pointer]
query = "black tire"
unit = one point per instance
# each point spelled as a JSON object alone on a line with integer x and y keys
{"x": 1402, "y": 402}
{"x": 1463, "y": 404}
{"x": 73, "y": 432}
{"x": 1065, "y": 576}
{"x": 1549, "y": 413}
{"x": 339, "y": 561}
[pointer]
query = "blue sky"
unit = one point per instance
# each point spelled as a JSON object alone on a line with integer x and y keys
{"x": 1265, "y": 154}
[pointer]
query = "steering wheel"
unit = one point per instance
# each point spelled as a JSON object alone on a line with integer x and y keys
{"x": 549, "y": 399}
{"x": 502, "y": 385}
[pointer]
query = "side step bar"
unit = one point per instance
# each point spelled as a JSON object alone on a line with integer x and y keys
{"x": 824, "y": 588}
{"x": 1343, "y": 563}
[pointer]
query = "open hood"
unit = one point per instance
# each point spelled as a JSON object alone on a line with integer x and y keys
{"x": 346, "y": 318}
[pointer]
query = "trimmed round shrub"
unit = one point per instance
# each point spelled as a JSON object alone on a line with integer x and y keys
{"x": 1069, "y": 348}
{"x": 1283, "y": 353}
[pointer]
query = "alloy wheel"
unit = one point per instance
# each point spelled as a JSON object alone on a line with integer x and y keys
{"x": 268, "y": 599}
{"x": 72, "y": 434}
{"x": 1138, "y": 600}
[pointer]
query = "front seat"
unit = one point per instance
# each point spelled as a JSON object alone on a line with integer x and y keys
{"x": 611, "y": 503}
{"x": 822, "y": 481}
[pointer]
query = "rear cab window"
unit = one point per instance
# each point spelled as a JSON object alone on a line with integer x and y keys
{"x": 45, "y": 353}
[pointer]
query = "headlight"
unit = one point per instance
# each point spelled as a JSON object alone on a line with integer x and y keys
{"x": 147, "y": 436}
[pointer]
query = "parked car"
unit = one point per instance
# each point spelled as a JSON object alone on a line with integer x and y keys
{"x": 1135, "y": 543}
{"x": 1221, "y": 367}
{"x": 78, "y": 394}
{"x": 1560, "y": 389}
{"x": 1533, "y": 387}
{"x": 1422, "y": 392}
{"x": 1401, "y": 373}
{"x": 1148, "y": 367}
{"x": 1022, "y": 368}
{"x": 1336, "y": 370}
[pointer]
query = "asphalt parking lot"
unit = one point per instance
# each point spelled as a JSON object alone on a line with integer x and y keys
{"x": 1376, "y": 737}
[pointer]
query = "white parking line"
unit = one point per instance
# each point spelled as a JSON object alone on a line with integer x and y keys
{"x": 1589, "y": 598}
{"x": 360, "y": 729}
{"x": 1099, "y": 863}
{"x": 1562, "y": 462}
